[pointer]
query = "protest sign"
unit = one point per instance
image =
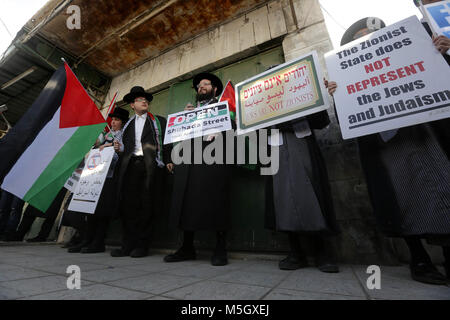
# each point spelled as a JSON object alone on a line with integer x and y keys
{"x": 389, "y": 79}
{"x": 206, "y": 120}
{"x": 438, "y": 15}
{"x": 88, "y": 190}
{"x": 72, "y": 181}
{"x": 289, "y": 91}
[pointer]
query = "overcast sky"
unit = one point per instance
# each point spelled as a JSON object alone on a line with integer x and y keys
{"x": 14, "y": 14}
{"x": 339, "y": 14}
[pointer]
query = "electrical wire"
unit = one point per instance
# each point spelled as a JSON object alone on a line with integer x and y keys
{"x": 331, "y": 16}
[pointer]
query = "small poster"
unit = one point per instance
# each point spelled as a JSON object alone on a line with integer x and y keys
{"x": 88, "y": 190}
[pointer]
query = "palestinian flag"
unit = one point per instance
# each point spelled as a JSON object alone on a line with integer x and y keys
{"x": 43, "y": 149}
{"x": 111, "y": 108}
{"x": 228, "y": 95}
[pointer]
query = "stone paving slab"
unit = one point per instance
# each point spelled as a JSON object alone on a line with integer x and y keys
{"x": 161, "y": 298}
{"x": 396, "y": 284}
{"x": 285, "y": 294}
{"x": 252, "y": 278}
{"x": 313, "y": 280}
{"x": 201, "y": 271}
{"x": 155, "y": 283}
{"x": 34, "y": 286}
{"x": 61, "y": 268}
{"x": 9, "y": 273}
{"x": 39, "y": 272}
{"x": 215, "y": 290}
{"x": 93, "y": 292}
{"x": 108, "y": 275}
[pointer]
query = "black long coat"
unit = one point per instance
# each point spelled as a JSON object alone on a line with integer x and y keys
{"x": 149, "y": 148}
{"x": 298, "y": 196}
{"x": 200, "y": 198}
{"x": 408, "y": 179}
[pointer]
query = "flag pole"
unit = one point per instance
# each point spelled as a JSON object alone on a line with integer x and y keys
{"x": 224, "y": 88}
{"x": 113, "y": 101}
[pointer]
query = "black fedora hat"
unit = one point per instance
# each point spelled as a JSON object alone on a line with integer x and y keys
{"x": 371, "y": 23}
{"x": 121, "y": 114}
{"x": 136, "y": 92}
{"x": 215, "y": 81}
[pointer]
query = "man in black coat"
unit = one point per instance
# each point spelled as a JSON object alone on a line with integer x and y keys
{"x": 200, "y": 199}
{"x": 391, "y": 161}
{"x": 140, "y": 170}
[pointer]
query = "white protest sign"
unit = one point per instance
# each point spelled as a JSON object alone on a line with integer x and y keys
{"x": 389, "y": 79}
{"x": 206, "y": 120}
{"x": 89, "y": 188}
{"x": 72, "y": 181}
{"x": 291, "y": 90}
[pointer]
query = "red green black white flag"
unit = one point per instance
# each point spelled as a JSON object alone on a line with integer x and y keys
{"x": 43, "y": 149}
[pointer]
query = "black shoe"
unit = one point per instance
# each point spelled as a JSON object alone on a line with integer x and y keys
{"x": 325, "y": 263}
{"x": 139, "y": 253}
{"x": 427, "y": 273}
{"x": 120, "y": 253}
{"x": 181, "y": 254}
{"x": 75, "y": 240}
{"x": 70, "y": 244}
{"x": 219, "y": 258}
{"x": 77, "y": 248}
{"x": 328, "y": 267}
{"x": 293, "y": 262}
{"x": 93, "y": 249}
{"x": 37, "y": 239}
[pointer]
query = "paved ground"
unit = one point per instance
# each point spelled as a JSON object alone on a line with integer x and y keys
{"x": 39, "y": 272}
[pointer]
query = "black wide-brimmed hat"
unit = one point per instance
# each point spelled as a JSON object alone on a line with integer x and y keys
{"x": 371, "y": 23}
{"x": 121, "y": 114}
{"x": 215, "y": 81}
{"x": 136, "y": 92}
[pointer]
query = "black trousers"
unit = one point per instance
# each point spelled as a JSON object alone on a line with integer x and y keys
{"x": 50, "y": 215}
{"x": 10, "y": 212}
{"x": 137, "y": 207}
{"x": 96, "y": 229}
{"x": 27, "y": 221}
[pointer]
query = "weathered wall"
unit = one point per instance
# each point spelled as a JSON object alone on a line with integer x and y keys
{"x": 227, "y": 43}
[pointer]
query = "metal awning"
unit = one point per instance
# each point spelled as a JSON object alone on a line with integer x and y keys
{"x": 115, "y": 36}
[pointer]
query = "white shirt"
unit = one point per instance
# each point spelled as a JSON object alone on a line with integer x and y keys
{"x": 139, "y": 123}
